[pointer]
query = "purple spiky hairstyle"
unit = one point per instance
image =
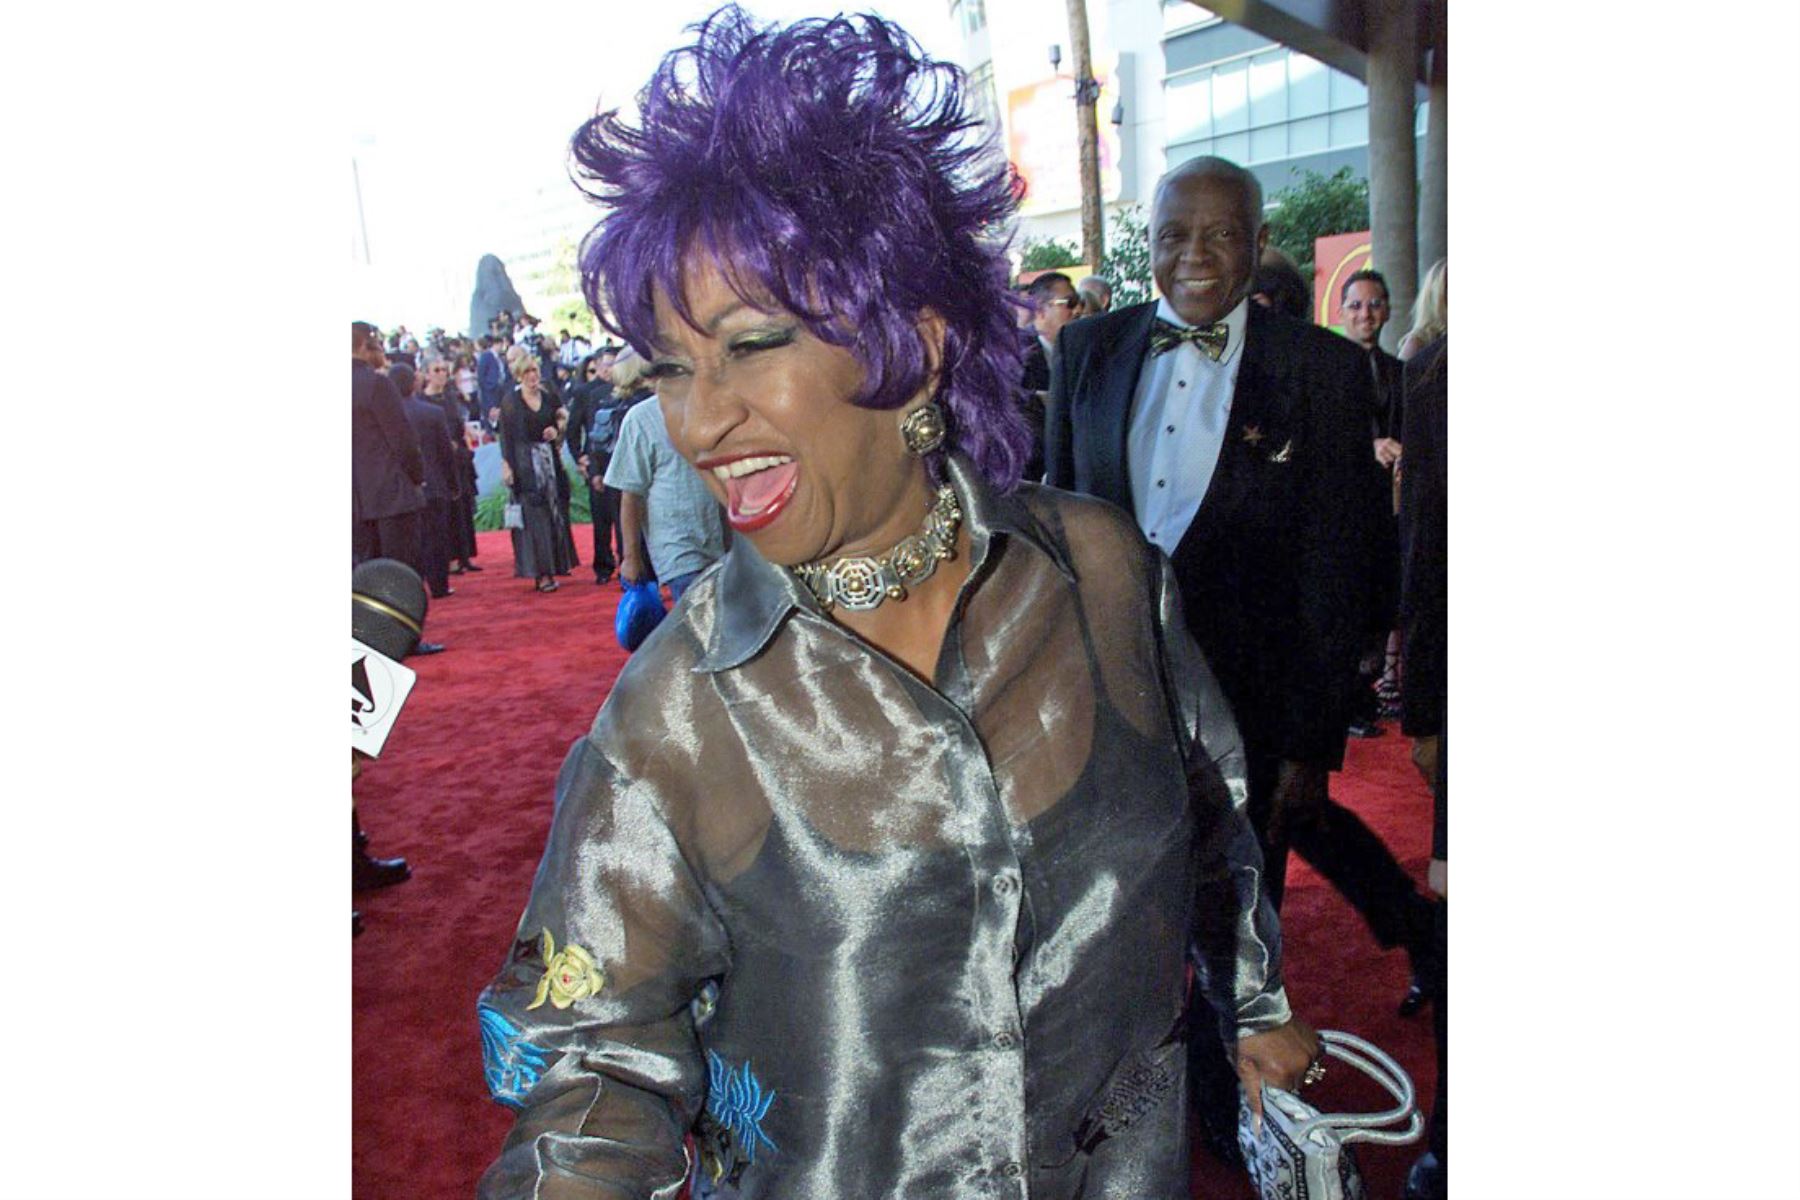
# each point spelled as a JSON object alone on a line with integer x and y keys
{"x": 834, "y": 168}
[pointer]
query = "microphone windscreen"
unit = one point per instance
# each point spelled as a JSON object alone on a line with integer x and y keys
{"x": 387, "y": 606}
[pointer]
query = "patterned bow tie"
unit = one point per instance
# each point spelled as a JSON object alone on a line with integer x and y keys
{"x": 1164, "y": 337}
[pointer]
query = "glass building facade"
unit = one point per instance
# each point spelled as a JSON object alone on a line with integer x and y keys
{"x": 1230, "y": 92}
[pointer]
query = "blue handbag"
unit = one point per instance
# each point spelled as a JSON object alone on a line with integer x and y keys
{"x": 640, "y": 611}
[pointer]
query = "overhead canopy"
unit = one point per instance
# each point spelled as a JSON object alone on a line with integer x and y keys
{"x": 1333, "y": 31}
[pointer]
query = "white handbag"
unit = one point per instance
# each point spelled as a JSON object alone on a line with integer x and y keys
{"x": 1303, "y": 1154}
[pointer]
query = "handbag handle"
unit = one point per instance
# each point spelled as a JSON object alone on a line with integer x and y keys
{"x": 1374, "y": 1062}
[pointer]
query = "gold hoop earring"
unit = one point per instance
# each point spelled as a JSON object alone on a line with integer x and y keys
{"x": 923, "y": 430}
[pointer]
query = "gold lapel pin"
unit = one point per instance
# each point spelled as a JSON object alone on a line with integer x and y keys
{"x": 1252, "y": 434}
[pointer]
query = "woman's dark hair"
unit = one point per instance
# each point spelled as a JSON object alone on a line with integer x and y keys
{"x": 1286, "y": 290}
{"x": 830, "y": 168}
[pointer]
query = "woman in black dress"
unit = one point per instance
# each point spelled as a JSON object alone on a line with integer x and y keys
{"x": 531, "y": 420}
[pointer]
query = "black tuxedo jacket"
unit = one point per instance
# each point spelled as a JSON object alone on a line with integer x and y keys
{"x": 386, "y": 467}
{"x": 1274, "y": 571}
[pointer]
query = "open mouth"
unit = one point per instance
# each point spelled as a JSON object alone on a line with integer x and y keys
{"x": 757, "y": 488}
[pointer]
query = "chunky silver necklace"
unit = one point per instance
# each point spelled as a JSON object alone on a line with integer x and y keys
{"x": 864, "y": 582}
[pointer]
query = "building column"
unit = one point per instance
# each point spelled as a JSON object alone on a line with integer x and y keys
{"x": 1393, "y": 156}
{"x": 1434, "y": 182}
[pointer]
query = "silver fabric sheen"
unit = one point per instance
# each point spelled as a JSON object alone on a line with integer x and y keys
{"x": 946, "y": 924}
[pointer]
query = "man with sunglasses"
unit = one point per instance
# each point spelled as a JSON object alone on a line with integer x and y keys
{"x": 593, "y": 430}
{"x": 1055, "y": 302}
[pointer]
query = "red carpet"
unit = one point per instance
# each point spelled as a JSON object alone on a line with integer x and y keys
{"x": 463, "y": 792}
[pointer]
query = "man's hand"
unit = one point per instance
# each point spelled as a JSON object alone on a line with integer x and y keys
{"x": 1278, "y": 1057}
{"x": 597, "y": 482}
{"x": 1387, "y": 451}
{"x": 551, "y": 433}
{"x": 582, "y": 462}
{"x": 506, "y": 475}
{"x": 1425, "y": 757}
{"x": 1299, "y": 793}
{"x": 632, "y": 569}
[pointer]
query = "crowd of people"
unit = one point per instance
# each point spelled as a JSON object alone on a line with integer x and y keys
{"x": 1036, "y": 634}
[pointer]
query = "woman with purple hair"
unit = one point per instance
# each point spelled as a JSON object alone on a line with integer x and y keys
{"x": 878, "y": 872}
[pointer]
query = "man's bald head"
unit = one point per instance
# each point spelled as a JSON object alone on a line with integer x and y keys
{"x": 1222, "y": 170}
{"x": 1206, "y": 233}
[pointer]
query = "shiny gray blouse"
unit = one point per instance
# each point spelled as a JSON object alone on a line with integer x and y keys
{"x": 866, "y": 937}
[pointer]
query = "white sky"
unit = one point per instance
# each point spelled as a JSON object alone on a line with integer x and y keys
{"x": 473, "y": 116}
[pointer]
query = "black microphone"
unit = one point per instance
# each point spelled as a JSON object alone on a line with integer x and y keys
{"x": 387, "y": 606}
{"x": 387, "y": 615}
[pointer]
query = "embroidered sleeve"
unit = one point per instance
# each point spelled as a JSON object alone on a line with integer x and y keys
{"x": 587, "y": 1029}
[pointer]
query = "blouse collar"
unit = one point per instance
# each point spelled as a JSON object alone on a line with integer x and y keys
{"x": 752, "y": 597}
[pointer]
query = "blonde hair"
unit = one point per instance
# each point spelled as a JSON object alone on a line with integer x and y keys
{"x": 1430, "y": 311}
{"x": 521, "y": 356}
{"x": 628, "y": 370}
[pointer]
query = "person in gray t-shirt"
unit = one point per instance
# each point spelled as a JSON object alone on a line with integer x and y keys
{"x": 662, "y": 498}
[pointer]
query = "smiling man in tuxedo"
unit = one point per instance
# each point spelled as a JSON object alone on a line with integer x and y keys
{"x": 1239, "y": 439}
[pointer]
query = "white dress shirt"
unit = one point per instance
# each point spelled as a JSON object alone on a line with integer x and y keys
{"x": 1178, "y": 420}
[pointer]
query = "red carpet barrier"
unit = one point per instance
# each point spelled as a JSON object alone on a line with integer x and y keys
{"x": 463, "y": 791}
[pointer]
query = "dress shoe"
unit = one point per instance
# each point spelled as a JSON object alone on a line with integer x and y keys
{"x": 1427, "y": 1180}
{"x": 446, "y": 592}
{"x": 428, "y": 648}
{"x": 471, "y": 567}
{"x": 367, "y": 874}
{"x": 456, "y": 571}
{"x": 1415, "y": 998}
{"x": 1365, "y": 729}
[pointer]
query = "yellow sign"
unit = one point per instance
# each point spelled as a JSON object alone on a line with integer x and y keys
{"x": 1042, "y": 142}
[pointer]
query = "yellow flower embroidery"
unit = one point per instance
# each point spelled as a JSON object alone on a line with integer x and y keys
{"x": 569, "y": 975}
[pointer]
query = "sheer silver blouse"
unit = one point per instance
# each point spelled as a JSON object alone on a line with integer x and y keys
{"x": 867, "y": 937}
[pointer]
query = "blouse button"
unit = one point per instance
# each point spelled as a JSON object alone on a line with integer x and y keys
{"x": 1005, "y": 885}
{"x": 1005, "y": 1039}
{"x": 1011, "y": 1169}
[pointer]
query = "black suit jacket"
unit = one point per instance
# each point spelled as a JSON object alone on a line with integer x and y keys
{"x": 435, "y": 447}
{"x": 1390, "y": 394}
{"x": 385, "y": 465}
{"x": 1424, "y": 536}
{"x": 1274, "y": 571}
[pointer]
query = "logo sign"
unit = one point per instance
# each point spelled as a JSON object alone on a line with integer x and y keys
{"x": 378, "y": 687}
{"x": 1335, "y": 259}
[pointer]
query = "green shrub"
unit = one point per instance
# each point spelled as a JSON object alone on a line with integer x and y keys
{"x": 1044, "y": 255}
{"x": 490, "y": 510}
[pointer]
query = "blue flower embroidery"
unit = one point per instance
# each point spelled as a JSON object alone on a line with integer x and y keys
{"x": 511, "y": 1064}
{"x": 737, "y": 1100}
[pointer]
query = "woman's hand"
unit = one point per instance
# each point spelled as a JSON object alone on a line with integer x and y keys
{"x": 551, "y": 433}
{"x": 506, "y": 475}
{"x": 1278, "y": 1057}
{"x": 1387, "y": 451}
